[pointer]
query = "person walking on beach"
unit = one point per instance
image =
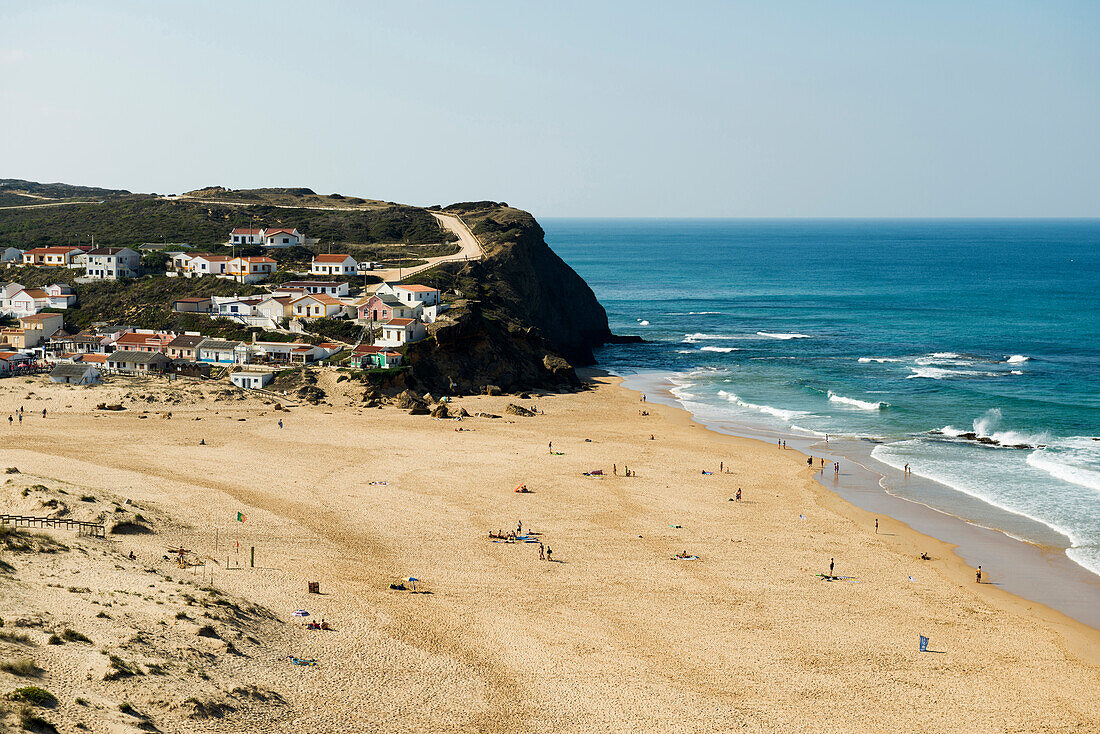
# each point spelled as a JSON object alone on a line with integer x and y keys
{"x": 738, "y": 495}
{"x": 43, "y": 412}
{"x": 810, "y": 461}
{"x": 542, "y": 552}
{"x": 721, "y": 467}
{"x": 280, "y": 423}
{"x": 10, "y": 419}
{"x": 831, "y": 561}
{"x": 550, "y": 446}
{"x": 615, "y": 469}
{"x": 20, "y": 418}
{"x": 979, "y": 574}
{"x": 549, "y": 553}
{"x": 876, "y": 526}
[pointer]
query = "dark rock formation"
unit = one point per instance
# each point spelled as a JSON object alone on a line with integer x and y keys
{"x": 519, "y": 410}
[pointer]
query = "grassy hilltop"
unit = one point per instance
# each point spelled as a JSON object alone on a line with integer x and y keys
{"x": 73, "y": 214}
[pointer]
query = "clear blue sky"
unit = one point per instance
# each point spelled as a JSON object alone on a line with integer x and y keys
{"x": 757, "y": 109}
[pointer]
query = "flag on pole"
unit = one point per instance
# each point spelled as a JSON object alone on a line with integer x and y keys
{"x": 241, "y": 517}
{"x": 923, "y": 643}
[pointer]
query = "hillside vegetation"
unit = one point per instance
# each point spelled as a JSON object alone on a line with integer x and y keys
{"x": 127, "y": 220}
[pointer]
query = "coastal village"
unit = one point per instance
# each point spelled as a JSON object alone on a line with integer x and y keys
{"x": 390, "y": 314}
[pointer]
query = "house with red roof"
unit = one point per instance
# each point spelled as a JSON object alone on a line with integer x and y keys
{"x": 57, "y": 257}
{"x": 145, "y": 340}
{"x": 399, "y": 332}
{"x": 250, "y": 269}
{"x": 334, "y": 265}
{"x": 317, "y": 306}
{"x": 246, "y": 236}
{"x": 281, "y": 237}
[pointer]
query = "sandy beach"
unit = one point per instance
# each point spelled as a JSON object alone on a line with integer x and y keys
{"x": 614, "y": 634}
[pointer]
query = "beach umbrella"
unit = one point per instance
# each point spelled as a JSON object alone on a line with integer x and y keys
{"x": 301, "y": 613}
{"x": 412, "y": 581}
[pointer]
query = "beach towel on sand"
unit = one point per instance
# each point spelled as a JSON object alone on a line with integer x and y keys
{"x": 300, "y": 661}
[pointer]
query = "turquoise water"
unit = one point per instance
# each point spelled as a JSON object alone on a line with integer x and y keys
{"x": 915, "y": 334}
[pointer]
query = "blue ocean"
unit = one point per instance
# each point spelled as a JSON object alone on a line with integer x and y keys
{"x": 967, "y": 349}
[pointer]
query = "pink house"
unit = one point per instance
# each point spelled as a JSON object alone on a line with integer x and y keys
{"x": 386, "y": 307}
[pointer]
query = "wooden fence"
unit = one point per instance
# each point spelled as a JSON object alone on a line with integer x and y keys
{"x": 82, "y": 528}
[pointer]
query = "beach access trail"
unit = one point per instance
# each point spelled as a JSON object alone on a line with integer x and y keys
{"x": 615, "y": 634}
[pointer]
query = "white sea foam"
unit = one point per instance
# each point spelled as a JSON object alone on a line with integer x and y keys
{"x": 693, "y": 338}
{"x": 780, "y": 413}
{"x": 853, "y": 402}
{"x": 771, "y": 335}
{"x": 930, "y": 373}
{"x": 643, "y": 322}
{"x": 704, "y": 313}
{"x": 685, "y": 351}
{"x": 1015, "y": 372}
{"x": 718, "y": 349}
{"x": 941, "y": 373}
{"x": 1074, "y": 460}
{"x": 1017, "y": 358}
{"x": 880, "y": 360}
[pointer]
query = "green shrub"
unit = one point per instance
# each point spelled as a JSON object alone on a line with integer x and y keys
{"x": 34, "y": 695}
{"x": 73, "y": 636}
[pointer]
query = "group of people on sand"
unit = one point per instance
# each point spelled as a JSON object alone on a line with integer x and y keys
{"x": 19, "y": 414}
{"x": 322, "y": 625}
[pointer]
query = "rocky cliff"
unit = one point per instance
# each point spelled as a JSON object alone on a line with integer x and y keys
{"x": 521, "y": 316}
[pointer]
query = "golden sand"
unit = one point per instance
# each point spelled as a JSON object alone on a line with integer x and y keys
{"x": 615, "y": 634}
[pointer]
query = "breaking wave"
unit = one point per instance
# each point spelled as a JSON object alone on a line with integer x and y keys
{"x": 880, "y": 360}
{"x": 718, "y": 349}
{"x": 786, "y": 415}
{"x": 1017, "y": 358}
{"x": 861, "y": 404}
{"x": 772, "y": 335}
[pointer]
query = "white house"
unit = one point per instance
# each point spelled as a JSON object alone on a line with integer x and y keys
{"x": 426, "y": 297}
{"x": 306, "y": 287}
{"x": 207, "y": 264}
{"x": 111, "y": 263}
{"x": 317, "y": 306}
{"x": 218, "y": 351}
{"x": 246, "y": 236}
{"x": 28, "y": 301}
{"x": 281, "y": 238}
{"x": 75, "y": 374}
{"x": 60, "y": 295}
{"x": 333, "y": 265}
{"x": 251, "y": 380}
{"x": 422, "y": 294}
{"x": 7, "y": 290}
{"x": 399, "y": 332}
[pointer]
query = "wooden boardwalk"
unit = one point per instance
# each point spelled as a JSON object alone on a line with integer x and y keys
{"x": 94, "y": 529}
